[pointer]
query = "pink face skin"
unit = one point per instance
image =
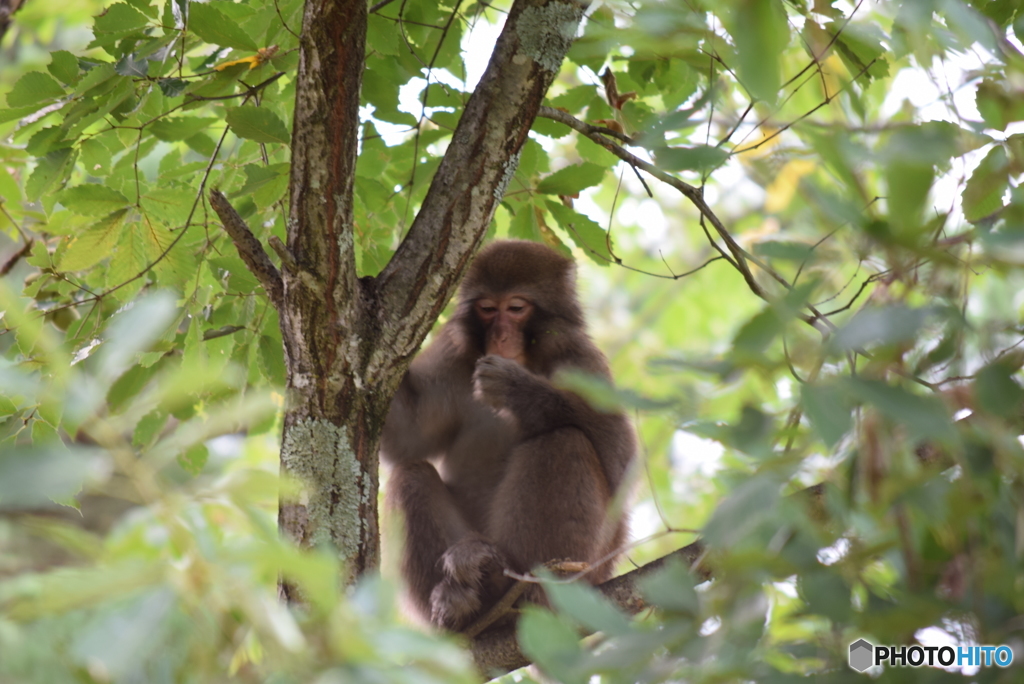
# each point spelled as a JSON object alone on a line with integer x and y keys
{"x": 504, "y": 319}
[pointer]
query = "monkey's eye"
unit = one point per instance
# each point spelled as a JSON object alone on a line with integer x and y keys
{"x": 516, "y": 308}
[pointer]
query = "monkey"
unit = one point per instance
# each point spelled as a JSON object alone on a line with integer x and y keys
{"x": 493, "y": 466}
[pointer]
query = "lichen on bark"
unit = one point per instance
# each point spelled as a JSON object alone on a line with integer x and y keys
{"x": 508, "y": 172}
{"x": 545, "y": 33}
{"x": 320, "y": 455}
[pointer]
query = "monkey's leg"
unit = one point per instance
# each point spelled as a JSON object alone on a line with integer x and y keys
{"x": 451, "y": 570}
{"x": 552, "y": 502}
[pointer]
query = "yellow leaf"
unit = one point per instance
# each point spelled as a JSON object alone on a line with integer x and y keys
{"x": 781, "y": 190}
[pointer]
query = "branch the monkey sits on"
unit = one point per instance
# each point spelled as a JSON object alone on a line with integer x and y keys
{"x": 492, "y": 466}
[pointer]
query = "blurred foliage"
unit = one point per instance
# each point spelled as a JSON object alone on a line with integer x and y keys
{"x": 865, "y": 159}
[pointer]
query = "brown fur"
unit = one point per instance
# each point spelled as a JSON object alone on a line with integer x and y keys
{"x": 519, "y": 472}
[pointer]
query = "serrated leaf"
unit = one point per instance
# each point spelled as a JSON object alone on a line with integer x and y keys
{"x": 132, "y": 65}
{"x": 94, "y": 244}
{"x": 46, "y": 140}
{"x": 572, "y": 179}
{"x": 170, "y": 206}
{"x": 12, "y": 113}
{"x": 64, "y": 66}
{"x": 172, "y": 128}
{"x": 589, "y": 236}
{"x": 172, "y": 87}
{"x": 177, "y": 263}
{"x": 33, "y": 88}
{"x": 984, "y": 192}
{"x": 53, "y": 168}
{"x": 259, "y": 124}
{"x": 92, "y": 200}
{"x": 267, "y": 184}
{"x": 95, "y": 157}
{"x": 213, "y": 26}
{"x": 129, "y": 260}
{"x": 119, "y": 18}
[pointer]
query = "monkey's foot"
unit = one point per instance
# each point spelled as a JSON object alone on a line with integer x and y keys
{"x": 474, "y": 578}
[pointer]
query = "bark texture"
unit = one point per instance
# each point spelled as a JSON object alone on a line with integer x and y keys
{"x": 328, "y": 433}
{"x": 347, "y": 340}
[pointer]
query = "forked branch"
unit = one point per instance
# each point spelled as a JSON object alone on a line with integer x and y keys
{"x": 249, "y": 248}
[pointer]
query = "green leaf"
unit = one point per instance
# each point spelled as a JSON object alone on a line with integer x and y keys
{"x": 173, "y": 128}
{"x": 194, "y": 459}
{"x": 552, "y": 643}
{"x": 95, "y": 157}
{"x": 760, "y": 34}
{"x": 702, "y": 158}
{"x": 588, "y": 608}
{"x": 265, "y": 184}
{"x": 30, "y": 476}
{"x": 172, "y": 87}
{"x": 213, "y": 26}
{"x": 64, "y": 67}
{"x": 52, "y": 169}
{"x": 259, "y": 124}
{"x": 997, "y": 391}
{"x": 572, "y": 179}
{"x": 92, "y": 199}
{"x": 828, "y": 409}
{"x": 881, "y": 325}
{"x": 589, "y": 236}
{"x": 130, "y": 258}
{"x": 270, "y": 356}
{"x": 923, "y": 416}
{"x": 169, "y": 205}
{"x": 132, "y": 65}
{"x": 826, "y": 594}
{"x": 94, "y": 244}
{"x": 984, "y": 192}
{"x": 118, "y": 19}
{"x": 46, "y": 140}
{"x": 33, "y": 88}
{"x": 671, "y": 588}
{"x": 756, "y": 335}
{"x": 998, "y": 104}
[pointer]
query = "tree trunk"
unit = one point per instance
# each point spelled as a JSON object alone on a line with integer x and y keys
{"x": 349, "y": 340}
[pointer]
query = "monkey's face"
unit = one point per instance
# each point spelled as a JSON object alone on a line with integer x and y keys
{"x": 504, "y": 322}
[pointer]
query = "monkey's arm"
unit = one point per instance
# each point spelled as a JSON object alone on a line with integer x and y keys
{"x": 539, "y": 407}
{"x": 422, "y": 421}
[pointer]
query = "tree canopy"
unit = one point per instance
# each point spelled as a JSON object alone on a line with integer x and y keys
{"x": 225, "y": 227}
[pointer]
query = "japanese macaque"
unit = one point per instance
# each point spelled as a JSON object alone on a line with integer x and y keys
{"x": 493, "y": 466}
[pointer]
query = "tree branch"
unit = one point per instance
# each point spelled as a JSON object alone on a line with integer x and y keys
{"x": 471, "y": 179}
{"x": 249, "y": 248}
{"x": 740, "y": 256}
{"x": 497, "y": 651}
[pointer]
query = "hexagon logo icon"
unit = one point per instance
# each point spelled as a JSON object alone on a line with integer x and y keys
{"x": 860, "y": 655}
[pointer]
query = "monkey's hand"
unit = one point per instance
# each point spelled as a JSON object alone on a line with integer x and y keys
{"x": 473, "y": 579}
{"x": 496, "y": 378}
